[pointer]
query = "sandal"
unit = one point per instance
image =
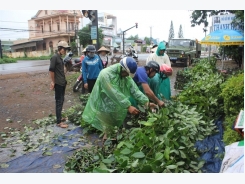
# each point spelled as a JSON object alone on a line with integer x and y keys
{"x": 62, "y": 125}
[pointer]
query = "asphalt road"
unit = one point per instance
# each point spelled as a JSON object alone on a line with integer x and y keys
{"x": 43, "y": 65}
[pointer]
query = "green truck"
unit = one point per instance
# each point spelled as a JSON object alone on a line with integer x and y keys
{"x": 183, "y": 50}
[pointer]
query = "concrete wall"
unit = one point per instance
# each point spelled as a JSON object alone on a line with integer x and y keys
{"x": 29, "y": 54}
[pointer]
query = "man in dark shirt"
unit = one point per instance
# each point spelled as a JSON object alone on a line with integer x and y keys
{"x": 58, "y": 80}
{"x": 141, "y": 79}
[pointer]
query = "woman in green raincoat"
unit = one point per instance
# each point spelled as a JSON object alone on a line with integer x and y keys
{"x": 160, "y": 84}
{"x": 109, "y": 103}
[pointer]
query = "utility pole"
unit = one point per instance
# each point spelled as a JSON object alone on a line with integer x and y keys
{"x": 1, "y": 53}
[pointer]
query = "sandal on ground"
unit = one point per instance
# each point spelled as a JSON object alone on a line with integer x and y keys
{"x": 62, "y": 125}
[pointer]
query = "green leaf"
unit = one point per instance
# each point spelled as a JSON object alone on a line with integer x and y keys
{"x": 138, "y": 155}
{"x": 166, "y": 153}
{"x": 180, "y": 163}
{"x": 125, "y": 151}
{"x": 107, "y": 161}
{"x": 182, "y": 154}
{"x": 148, "y": 124}
{"x": 120, "y": 144}
{"x": 151, "y": 120}
{"x": 4, "y": 165}
{"x": 96, "y": 157}
{"x": 158, "y": 156}
{"x": 171, "y": 166}
{"x": 99, "y": 170}
{"x": 47, "y": 153}
{"x": 135, "y": 163}
{"x": 181, "y": 147}
{"x": 142, "y": 109}
{"x": 129, "y": 145}
{"x": 57, "y": 166}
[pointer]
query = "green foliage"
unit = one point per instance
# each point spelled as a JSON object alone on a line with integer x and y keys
{"x": 161, "y": 144}
{"x": 203, "y": 89}
{"x": 147, "y": 40}
{"x": 199, "y": 17}
{"x": 136, "y": 37}
{"x": 5, "y": 60}
{"x": 233, "y": 94}
{"x": 85, "y": 36}
{"x": 180, "y": 33}
{"x": 230, "y": 136}
{"x": 171, "y": 31}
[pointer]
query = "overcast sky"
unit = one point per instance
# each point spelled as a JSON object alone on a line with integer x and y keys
{"x": 159, "y": 19}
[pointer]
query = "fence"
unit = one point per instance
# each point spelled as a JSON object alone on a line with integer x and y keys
{"x": 28, "y": 54}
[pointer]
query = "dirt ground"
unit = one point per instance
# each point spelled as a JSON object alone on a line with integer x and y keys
{"x": 26, "y": 97}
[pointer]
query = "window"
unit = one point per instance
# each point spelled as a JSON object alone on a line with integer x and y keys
{"x": 42, "y": 28}
{"x": 50, "y": 28}
{"x": 46, "y": 12}
{"x": 58, "y": 27}
{"x": 44, "y": 45}
{"x": 33, "y": 48}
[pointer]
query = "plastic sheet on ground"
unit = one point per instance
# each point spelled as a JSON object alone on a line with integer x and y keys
{"x": 213, "y": 150}
{"x": 54, "y": 161}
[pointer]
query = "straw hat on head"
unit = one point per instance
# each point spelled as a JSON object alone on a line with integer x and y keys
{"x": 103, "y": 49}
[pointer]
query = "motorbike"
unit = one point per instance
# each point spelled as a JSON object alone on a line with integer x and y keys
{"x": 132, "y": 53}
{"x": 72, "y": 65}
{"x": 79, "y": 83}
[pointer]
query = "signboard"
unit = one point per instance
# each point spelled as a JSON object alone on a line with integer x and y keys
{"x": 223, "y": 22}
{"x": 93, "y": 32}
{"x": 94, "y": 41}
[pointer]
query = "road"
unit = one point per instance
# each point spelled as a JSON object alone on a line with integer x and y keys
{"x": 24, "y": 66}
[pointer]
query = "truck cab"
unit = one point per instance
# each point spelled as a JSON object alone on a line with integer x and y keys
{"x": 183, "y": 50}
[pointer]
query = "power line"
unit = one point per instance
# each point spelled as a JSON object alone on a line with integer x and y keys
{"x": 12, "y": 21}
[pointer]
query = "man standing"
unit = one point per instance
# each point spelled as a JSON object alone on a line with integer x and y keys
{"x": 58, "y": 80}
{"x": 160, "y": 84}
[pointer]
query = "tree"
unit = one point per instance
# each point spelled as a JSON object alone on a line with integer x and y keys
{"x": 147, "y": 40}
{"x": 136, "y": 37}
{"x": 171, "y": 31}
{"x": 180, "y": 34}
{"x": 199, "y": 17}
{"x": 85, "y": 36}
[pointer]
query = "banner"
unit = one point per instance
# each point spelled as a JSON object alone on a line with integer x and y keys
{"x": 223, "y": 22}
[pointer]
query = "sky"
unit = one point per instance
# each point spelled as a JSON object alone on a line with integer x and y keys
{"x": 158, "y": 20}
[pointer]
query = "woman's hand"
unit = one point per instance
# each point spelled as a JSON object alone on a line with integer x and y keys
{"x": 133, "y": 110}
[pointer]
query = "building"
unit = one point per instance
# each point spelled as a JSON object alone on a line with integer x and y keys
{"x": 108, "y": 23}
{"x": 47, "y": 28}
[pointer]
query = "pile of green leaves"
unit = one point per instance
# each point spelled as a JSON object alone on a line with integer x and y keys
{"x": 163, "y": 143}
{"x": 233, "y": 94}
{"x": 203, "y": 90}
{"x": 182, "y": 78}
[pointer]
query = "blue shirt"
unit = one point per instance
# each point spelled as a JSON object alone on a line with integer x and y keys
{"x": 91, "y": 67}
{"x": 140, "y": 76}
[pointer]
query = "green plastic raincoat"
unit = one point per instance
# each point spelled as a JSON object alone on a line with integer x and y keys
{"x": 108, "y": 103}
{"x": 159, "y": 84}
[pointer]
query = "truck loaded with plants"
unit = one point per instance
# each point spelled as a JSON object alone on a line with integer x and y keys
{"x": 165, "y": 141}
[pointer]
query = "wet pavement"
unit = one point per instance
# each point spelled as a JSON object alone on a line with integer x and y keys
{"x": 24, "y": 67}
